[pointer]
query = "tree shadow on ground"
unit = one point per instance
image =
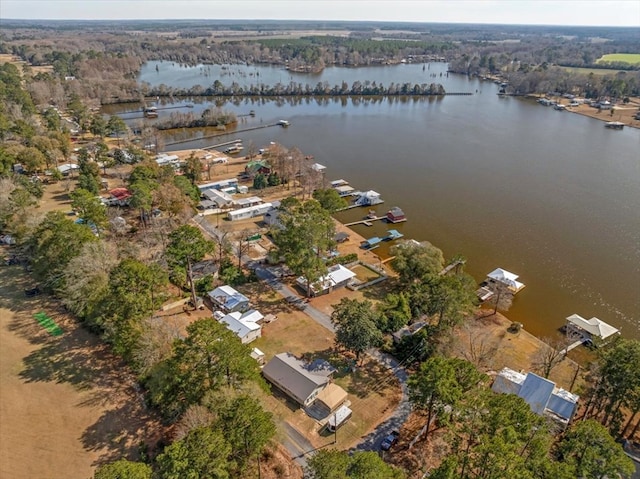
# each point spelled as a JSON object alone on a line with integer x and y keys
{"x": 125, "y": 431}
{"x": 379, "y": 290}
{"x": 13, "y": 298}
{"x": 61, "y": 198}
{"x": 82, "y": 360}
{"x": 367, "y": 378}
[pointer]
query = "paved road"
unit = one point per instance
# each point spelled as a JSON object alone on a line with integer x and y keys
{"x": 372, "y": 441}
{"x": 297, "y": 445}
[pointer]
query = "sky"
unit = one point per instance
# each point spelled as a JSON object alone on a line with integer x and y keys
{"x": 540, "y": 12}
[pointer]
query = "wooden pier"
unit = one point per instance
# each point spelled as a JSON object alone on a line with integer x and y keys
{"x": 365, "y": 221}
{"x": 207, "y": 137}
{"x": 452, "y": 266}
{"x": 574, "y": 345}
{"x": 127, "y": 117}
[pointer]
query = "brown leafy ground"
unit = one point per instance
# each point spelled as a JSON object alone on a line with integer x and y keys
{"x": 66, "y": 403}
{"x": 488, "y": 337}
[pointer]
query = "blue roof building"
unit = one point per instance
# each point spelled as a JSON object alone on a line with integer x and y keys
{"x": 539, "y": 393}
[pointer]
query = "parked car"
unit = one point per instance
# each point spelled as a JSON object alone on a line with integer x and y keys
{"x": 389, "y": 441}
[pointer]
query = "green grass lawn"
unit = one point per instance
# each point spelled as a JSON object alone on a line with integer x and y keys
{"x": 630, "y": 58}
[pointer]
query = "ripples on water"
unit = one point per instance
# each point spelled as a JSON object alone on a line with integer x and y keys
{"x": 551, "y": 196}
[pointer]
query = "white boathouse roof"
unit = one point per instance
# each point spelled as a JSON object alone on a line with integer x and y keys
{"x": 506, "y": 277}
{"x": 593, "y": 326}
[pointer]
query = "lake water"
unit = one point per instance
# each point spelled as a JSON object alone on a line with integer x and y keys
{"x": 551, "y": 196}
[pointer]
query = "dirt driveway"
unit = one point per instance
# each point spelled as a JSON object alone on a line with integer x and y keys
{"x": 66, "y": 404}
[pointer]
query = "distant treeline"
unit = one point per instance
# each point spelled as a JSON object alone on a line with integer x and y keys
{"x": 297, "y": 89}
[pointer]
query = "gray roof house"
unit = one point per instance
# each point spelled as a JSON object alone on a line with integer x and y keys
{"x": 539, "y": 393}
{"x": 292, "y": 376}
{"x": 228, "y": 299}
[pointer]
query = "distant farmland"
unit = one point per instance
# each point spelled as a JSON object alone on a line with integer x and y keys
{"x": 630, "y": 58}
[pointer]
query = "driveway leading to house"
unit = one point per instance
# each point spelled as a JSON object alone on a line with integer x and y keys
{"x": 295, "y": 441}
{"x": 372, "y": 441}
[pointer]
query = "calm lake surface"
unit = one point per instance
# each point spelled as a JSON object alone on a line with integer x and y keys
{"x": 551, "y": 196}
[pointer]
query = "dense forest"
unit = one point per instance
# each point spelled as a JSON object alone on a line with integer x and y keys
{"x": 105, "y": 57}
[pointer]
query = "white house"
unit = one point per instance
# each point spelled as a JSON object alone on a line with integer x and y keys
{"x": 246, "y": 202}
{"x": 67, "y": 168}
{"x": 539, "y": 393}
{"x": 219, "y": 197}
{"x": 228, "y": 299}
{"x": 245, "y": 325}
{"x": 218, "y": 185}
{"x": 336, "y": 277}
{"x": 249, "y": 212}
{"x": 369, "y": 198}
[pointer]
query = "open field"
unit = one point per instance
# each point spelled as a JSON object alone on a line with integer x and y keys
{"x": 66, "y": 404}
{"x": 630, "y": 58}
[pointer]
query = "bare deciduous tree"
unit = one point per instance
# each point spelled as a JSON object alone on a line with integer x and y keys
{"x": 195, "y": 416}
{"x": 478, "y": 349}
{"x": 549, "y": 355}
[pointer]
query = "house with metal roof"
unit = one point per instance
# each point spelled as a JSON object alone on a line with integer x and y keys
{"x": 539, "y": 393}
{"x": 219, "y": 197}
{"x": 228, "y": 299}
{"x": 336, "y": 277}
{"x": 245, "y": 325}
{"x": 290, "y": 375}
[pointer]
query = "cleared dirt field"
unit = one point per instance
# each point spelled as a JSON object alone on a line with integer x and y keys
{"x": 66, "y": 404}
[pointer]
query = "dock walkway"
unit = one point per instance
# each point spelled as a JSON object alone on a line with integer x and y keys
{"x": 234, "y": 132}
{"x": 574, "y": 345}
{"x": 365, "y": 221}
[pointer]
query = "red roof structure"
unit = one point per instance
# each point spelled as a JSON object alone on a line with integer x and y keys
{"x": 120, "y": 193}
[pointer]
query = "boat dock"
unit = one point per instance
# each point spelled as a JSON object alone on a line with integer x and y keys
{"x": 453, "y": 265}
{"x": 392, "y": 235}
{"x": 374, "y": 242}
{"x": 371, "y": 243}
{"x": 574, "y": 345}
{"x": 220, "y": 134}
{"x": 366, "y": 221}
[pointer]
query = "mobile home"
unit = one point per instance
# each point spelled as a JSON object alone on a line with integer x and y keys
{"x": 250, "y": 212}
